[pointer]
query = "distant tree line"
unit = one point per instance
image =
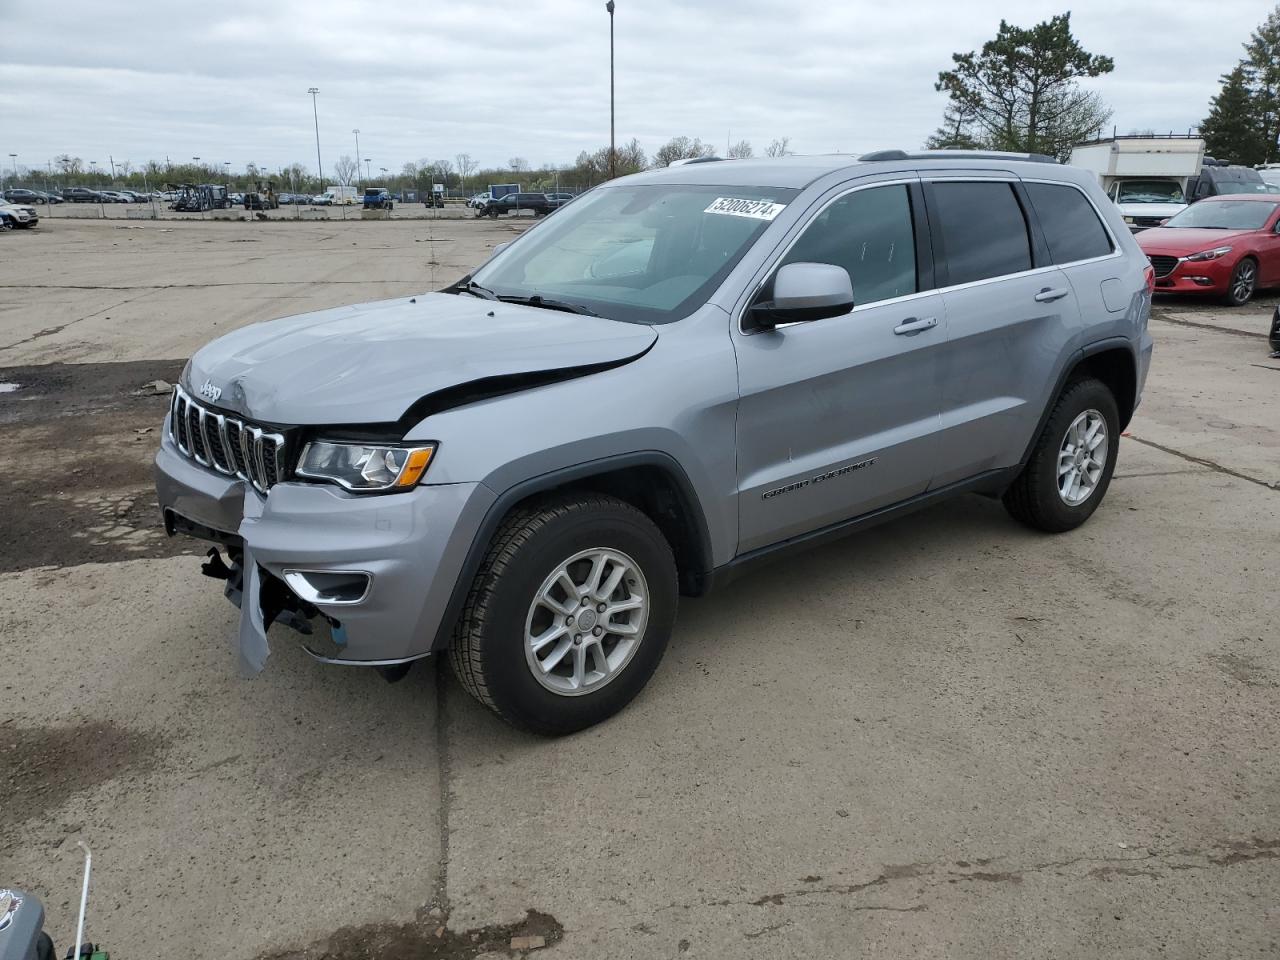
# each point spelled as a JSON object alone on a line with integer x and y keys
{"x": 461, "y": 175}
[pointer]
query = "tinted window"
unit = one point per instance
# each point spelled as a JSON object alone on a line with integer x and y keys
{"x": 1070, "y": 224}
{"x": 869, "y": 233}
{"x": 983, "y": 230}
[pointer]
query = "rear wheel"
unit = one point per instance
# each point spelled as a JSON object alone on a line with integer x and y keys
{"x": 1244, "y": 280}
{"x": 569, "y": 614}
{"x": 1071, "y": 465}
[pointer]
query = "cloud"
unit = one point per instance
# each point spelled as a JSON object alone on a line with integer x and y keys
{"x": 530, "y": 77}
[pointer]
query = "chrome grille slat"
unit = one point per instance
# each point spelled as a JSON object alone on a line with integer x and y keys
{"x": 226, "y": 443}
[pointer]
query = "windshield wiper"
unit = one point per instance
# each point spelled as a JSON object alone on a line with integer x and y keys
{"x": 468, "y": 285}
{"x": 537, "y": 300}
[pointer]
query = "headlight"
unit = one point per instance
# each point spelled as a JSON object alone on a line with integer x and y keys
{"x": 365, "y": 467}
{"x": 1209, "y": 254}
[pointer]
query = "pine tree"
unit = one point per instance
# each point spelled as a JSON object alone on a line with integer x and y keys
{"x": 1263, "y": 61}
{"x": 1232, "y": 131}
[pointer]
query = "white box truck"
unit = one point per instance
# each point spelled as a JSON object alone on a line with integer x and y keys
{"x": 340, "y": 194}
{"x": 1146, "y": 177}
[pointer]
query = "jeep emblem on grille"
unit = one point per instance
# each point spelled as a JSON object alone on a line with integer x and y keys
{"x": 210, "y": 392}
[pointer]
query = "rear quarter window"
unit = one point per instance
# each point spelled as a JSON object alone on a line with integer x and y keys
{"x": 984, "y": 233}
{"x": 1070, "y": 223}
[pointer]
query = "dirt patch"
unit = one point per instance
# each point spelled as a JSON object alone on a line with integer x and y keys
{"x": 428, "y": 937}
{"x": 41, "y": 767}
{"x": 79, "y": 443}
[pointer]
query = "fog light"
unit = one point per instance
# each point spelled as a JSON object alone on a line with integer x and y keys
{"x": 343, "y": 587}
{"x": 1202, "y": 281}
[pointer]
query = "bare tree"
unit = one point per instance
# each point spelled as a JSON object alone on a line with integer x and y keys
{"x": 518, "y": 164}
{"x": 345, "y": 170}
{"x": 779, "y": 147}
{"x": 682, "y": 148}
{"x": 410, "y": 171}
{"x": 466, "y": 167}
{"x": 124, "y": 168}
{"x": 69, "y": 164}
{"x": 741, "y": 151}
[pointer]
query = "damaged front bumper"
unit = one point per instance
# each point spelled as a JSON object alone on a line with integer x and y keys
{"x": 378, "y": 570}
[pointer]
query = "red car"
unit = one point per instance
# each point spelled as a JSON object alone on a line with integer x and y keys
{"x": 1226, "y": 245}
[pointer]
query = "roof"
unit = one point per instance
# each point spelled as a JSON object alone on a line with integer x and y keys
{"x": 1241, "y": 196}
{"x": 799, "y": 171}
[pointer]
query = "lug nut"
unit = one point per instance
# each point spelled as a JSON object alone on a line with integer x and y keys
{"x": 600, "y": 608}
{"x": 568, "y": 621}
{"x": 577, "y": 638}
{"x": 596, "y": 632}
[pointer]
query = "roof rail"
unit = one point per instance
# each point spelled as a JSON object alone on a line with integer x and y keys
{"x": 956, "y": 154}
{"x": 681, "y": 163}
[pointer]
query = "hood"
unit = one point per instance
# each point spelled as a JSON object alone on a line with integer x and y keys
{"x": 371, "y": 362}
{"x": 1161, "y": 210}
{"x": 1180, "y": 241}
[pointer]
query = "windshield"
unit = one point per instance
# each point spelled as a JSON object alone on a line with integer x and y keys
{"x": 1224, "y": 215}
{"x": 647, "y": 253}
{"x": 1238, "y": 186}
{"x": 1150, "y": 191}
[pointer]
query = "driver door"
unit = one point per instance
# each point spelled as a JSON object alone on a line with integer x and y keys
{"x": 838, "y": 417}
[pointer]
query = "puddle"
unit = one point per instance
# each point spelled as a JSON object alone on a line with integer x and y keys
{"x": 8, "y": 387}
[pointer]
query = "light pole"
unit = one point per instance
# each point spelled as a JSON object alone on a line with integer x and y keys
{"x": 227, "y": 172}
{"x": 14, "y": 158}
{"x": 357, "y": 133}
{"x": 316, "y": 115}
{"x": 367, "y": 169}
{"x": 613, "y": 172}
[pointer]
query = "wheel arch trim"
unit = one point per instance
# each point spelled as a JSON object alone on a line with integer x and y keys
{"x": 564, "y": 476}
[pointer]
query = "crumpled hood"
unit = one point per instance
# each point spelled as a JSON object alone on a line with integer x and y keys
{"x": 368, "y": 363}
{"x": 1180, "y": 241}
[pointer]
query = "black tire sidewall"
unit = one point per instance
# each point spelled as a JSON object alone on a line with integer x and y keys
{"x": 507, "y": 674}
{"x": 1076, "y": 399}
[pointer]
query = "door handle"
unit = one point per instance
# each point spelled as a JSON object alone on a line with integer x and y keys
{"x": 1048, "y": 294}
{"x": 915, "y": 325}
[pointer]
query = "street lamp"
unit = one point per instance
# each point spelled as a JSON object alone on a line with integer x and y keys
{"x": 357, "y": 133}
{"x": 316, "y": 115}
{"x": 227, "y": 173}
{"x": 14, "y": 158}
{"x": 367, "y": 169}
{"x": 612, "y": 149}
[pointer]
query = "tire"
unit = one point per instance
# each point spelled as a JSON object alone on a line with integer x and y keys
{"x": 490, "y": 651}
{"x": 1035, "y": 497}
{"x": 1243, "y": 283}
{"x": 493, "y": 214}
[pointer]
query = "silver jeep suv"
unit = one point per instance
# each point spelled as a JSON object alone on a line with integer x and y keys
{"x": 681, "y": 373}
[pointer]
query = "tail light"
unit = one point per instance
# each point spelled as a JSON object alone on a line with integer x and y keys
{"x": 1150, "y": 275}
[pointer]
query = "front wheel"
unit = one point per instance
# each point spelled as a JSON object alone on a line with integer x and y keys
{"x": 569, "y": 614}
{"x": 1244, "y": 280}
{"x": 1071, "y": 464}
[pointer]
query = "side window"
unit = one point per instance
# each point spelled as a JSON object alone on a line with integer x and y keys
{"x": 1071, "y": 226}
{"x": 984, "y": 233}
{"x": 869, "y": 233}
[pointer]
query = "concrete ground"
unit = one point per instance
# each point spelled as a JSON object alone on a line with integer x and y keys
{"x": 946, "y": 737}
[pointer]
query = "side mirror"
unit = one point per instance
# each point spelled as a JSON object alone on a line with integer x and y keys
{"x": 803, "y": 292}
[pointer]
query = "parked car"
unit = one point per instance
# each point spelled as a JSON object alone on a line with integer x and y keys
{"x": 322, "y": 200}
{"x": 114, "y": 196}
{"x": 1218, "y": 179}
{"x": 514, "y": 203}
{"x": 1225, "y": 246}
{"x": 377, "y": 198}
{"x": 697, "y": 369}
{"x": 478, "y": 202}
{"x": 558, "y": 200}
{"x": 81, "y": 195}
{"x": 17, "y": 215}
{"x": 19, "y": 195}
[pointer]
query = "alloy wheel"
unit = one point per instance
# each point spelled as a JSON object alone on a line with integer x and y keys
{"x": 1082, "y": 458}
{"x": 586, "y": 621}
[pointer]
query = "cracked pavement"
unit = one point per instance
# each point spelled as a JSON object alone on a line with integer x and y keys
{"x": 945, "y": 737}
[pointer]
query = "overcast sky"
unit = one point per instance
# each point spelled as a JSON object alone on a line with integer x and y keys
{"x": 146, "y": 79}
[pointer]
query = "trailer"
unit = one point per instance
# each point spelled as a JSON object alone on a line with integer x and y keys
{"x": 1146, "y": 177}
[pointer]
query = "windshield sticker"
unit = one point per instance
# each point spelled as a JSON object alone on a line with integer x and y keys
{"x": 754, "y": 209}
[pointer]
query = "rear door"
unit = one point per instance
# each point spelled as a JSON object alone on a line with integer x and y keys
{"x": 836, "y": 417}
{"x": 1009, "y": 315}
